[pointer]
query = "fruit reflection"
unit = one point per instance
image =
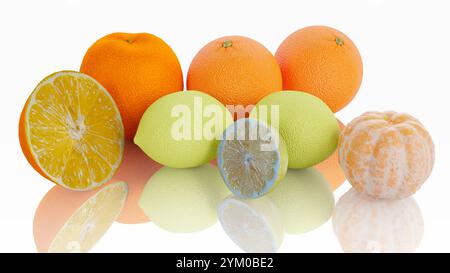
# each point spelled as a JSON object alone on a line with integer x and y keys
{"x": 135, "y": 169}
{"x": 304, "y": 199}
{"x": 331, "y": 169}
{"x": 255, "y": 225}
{"x": 366, "y": 224}
{"x": 71, "y": 221}
{"x": 184, "y": 200}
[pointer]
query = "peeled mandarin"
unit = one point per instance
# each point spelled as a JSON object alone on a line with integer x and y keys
{"x": 386, "y": 154}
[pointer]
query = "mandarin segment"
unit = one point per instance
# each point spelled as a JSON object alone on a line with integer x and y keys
{"x": 386, "y": 154}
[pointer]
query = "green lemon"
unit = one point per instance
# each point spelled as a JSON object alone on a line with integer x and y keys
{"x": 182, "y": 129}
{"x": 306, "y": 123}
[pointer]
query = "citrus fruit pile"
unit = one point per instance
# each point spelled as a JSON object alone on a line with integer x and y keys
{"x": 257, "y": 113}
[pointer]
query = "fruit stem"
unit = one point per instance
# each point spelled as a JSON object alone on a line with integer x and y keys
{"x": 129, "y": 41}
{"x": 227, "y": 44}
{"x": 339, "y": 41}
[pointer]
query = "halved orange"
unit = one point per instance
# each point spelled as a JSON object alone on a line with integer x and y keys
{"x": 71, "y": 131}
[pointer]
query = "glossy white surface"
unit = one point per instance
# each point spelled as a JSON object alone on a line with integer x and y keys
{"x": 404, "y": 45}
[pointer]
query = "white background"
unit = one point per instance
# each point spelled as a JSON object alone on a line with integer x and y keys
{"x": 404, "y": 45}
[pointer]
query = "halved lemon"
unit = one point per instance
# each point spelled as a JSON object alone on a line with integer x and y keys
{"x": 255, "y": 225}
{"x": 71, "y": 131}
{"x": 71, "y": 221}
{"x": 252, "y": 158}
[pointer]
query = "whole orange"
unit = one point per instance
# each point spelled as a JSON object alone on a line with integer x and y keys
{"x": 136, "y": 69}
{"x": 321, "y": 61}
{"x": 235, "y": 70}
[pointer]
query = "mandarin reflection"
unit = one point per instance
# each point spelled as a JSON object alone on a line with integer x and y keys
{"x": 366, "y": 224}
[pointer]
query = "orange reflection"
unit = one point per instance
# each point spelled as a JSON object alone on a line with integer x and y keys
{"x": 331, "y": 169}
{"x": 135, "y": 169}
{"x": 73, "y": 221}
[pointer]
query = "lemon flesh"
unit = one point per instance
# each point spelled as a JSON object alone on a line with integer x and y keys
{"x": 252, "y": 158}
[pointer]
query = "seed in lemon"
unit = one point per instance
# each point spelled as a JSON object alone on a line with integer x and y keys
{"x": 252, "y": 158}
{"x": 71, "y": 131}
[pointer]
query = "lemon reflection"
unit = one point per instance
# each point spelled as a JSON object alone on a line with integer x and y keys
{"x": 71, "y": 221}
{"x": 255, "y": 225}
{"x": 366, "y": 224}
{"x": 304, "y": 199}
{"x": 136, "y": 169}
{"x": 184, "y": 200}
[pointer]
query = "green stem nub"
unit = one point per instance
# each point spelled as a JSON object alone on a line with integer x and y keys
{"x": 227, "y": 44}
{"x": 339, "y": 41}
